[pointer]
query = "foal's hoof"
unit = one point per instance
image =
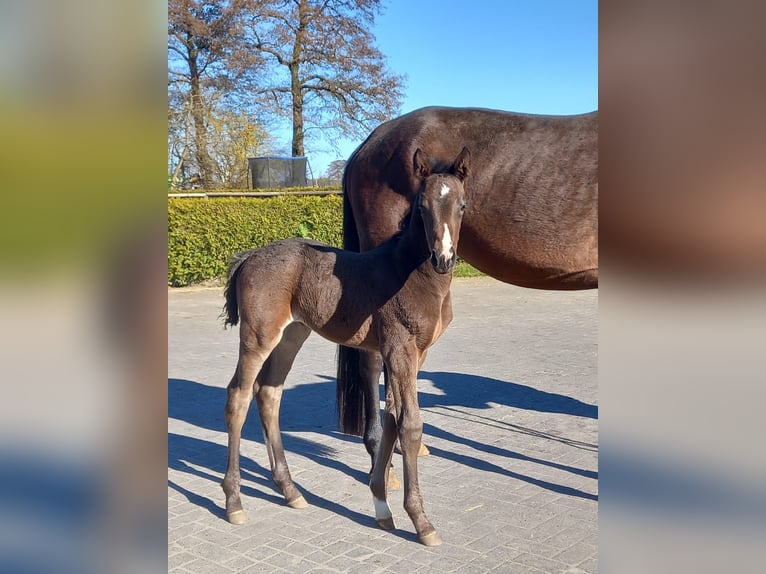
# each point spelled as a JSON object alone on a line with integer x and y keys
{"x": 299, "y": 502}
{"x": 236, "y": 517}
{"x": 386, "y": 523}
{"x": 431, "y": 539}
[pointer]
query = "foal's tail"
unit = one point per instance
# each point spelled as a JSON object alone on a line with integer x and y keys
{"x": 231, "y": 309}
{"x": 349, "y": 398}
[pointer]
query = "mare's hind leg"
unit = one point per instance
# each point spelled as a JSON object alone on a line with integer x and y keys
{"x": 268, "y": 397}
{"x": 254, "y": 348}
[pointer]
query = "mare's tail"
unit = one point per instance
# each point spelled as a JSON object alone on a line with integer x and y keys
{"x": 349, "y": 398}
{"x": 230, "y": 308}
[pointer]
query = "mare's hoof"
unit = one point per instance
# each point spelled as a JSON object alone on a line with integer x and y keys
{"x": 236, "y": 517}
{"x": 386, "y": 523}
{"x": 299, "y": 502}
{"x": 393, "y": 480}
{"x": 423, "y": 451}
{"x": 431, "y": 539}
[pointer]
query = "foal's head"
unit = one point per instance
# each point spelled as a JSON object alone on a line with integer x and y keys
{"x": 442, "y": 201}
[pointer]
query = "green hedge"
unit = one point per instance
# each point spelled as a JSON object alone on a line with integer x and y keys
{"x": 203, "y": 234}
{"x": 259, "y": 189}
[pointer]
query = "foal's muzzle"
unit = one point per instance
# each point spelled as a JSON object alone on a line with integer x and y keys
{"x": 442, "y": 264}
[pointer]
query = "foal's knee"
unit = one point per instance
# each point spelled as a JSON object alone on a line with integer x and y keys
{"x": 411, "y": 428}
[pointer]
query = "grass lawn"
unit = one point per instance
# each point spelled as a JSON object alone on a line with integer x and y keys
{"x": 463, "y": 269}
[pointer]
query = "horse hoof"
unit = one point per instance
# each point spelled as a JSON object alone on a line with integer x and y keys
{"x": 423, "y": 451}
{"x": 431, "y": 539}
{"x": 236, "y": 517}
{"x": 299, "y": 502}
{"x": 386, "y": 523}
{"x": 393, "y": 480}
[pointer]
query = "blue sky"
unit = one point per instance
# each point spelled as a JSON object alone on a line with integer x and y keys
{"x": 516, "y": 55}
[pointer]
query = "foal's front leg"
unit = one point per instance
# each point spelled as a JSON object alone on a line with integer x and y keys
{"x": 403, "y": 417}
{"x": 410, "y": 439}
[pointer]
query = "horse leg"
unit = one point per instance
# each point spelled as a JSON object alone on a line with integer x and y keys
{"x": 255, "y": 345}
{"x": 410, "y": 426}
{"x": 370, "y": 363}
{"x": 240, "y": 393}
{"x": 381, "y": 474}
{"x": 423, "y": 451}
{"x": 393, "y": 481}
{"x": 268, "y": 398}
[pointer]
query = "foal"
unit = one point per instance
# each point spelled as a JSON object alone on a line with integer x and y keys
{"x": 394, "y": 299}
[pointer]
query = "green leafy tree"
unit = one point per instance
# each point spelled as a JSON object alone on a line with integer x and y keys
{"x": 235, "y": 136}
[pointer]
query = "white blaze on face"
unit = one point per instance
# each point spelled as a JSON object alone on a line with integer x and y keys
{"x": 444, "y": 190}
{"x": 446, "y": 243}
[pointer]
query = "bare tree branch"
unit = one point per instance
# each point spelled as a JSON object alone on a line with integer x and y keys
{"x": 334, "y": 75}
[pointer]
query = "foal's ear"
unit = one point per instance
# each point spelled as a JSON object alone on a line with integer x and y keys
{"x": 462, "y": 163}
{"x": 420, "y": 164}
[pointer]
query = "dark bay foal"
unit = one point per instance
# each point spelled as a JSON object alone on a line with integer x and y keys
{"x": 394, "y": 300}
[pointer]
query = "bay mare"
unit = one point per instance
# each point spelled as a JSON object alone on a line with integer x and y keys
{"x": 393, "y": 300}
{"x": 532, "y": 217}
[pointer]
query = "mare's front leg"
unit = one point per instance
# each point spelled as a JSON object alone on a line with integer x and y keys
{"x": 268, "y": 397}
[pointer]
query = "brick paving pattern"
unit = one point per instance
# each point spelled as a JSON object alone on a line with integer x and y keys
{"x": 509, "y": 403}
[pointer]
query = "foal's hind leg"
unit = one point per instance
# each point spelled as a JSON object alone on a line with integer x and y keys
{"x": 253, "y": 351}
{"x": 370, "y": 363}
{"x": 268, "y": 397}
{"x": 392, "y": 482}
{"x": 381, "y": 473}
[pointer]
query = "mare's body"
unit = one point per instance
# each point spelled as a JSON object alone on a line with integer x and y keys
{"x": 532, "y": 218}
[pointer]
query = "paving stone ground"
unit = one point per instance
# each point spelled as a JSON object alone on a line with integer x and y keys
{"x": 509, "y": 402}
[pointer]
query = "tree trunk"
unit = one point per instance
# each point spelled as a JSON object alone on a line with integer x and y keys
{"x": 296, "y": 90}
{"x": 204, "y": 160}
{"x": 179, "y": 166}
{"x": 297, "y": 95}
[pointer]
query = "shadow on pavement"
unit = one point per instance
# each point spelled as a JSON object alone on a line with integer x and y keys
{"x": 311, "y": 408}
{"x": 475, "y": 391}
